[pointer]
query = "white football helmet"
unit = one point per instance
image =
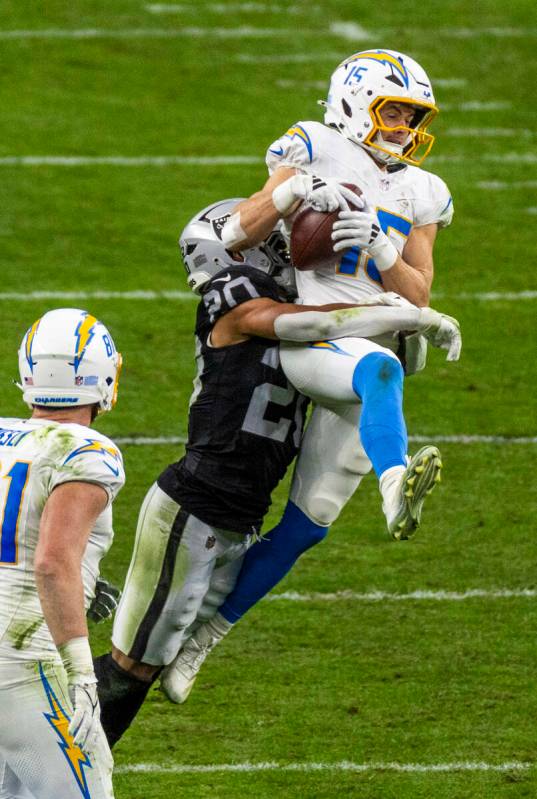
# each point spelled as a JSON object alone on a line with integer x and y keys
{"x": 67, "y": 358}
{"x": 361, "y": 87}
{"x": 204, "y": 253}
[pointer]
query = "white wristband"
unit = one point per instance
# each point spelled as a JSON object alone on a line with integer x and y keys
{"x": 232, "y": 233}
{"x": 284, "y": 198}
{"x": 386, "y": 256}
{"x": 77, "y": 659}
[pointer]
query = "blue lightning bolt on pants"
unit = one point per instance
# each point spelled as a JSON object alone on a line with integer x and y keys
{"x": 38, "y": 757}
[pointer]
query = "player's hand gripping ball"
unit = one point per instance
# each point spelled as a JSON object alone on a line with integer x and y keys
{"x": 312, "y": 246}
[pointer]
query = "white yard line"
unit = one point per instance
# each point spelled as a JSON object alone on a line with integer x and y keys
{"x": 474, "y": 105}
{"x": 495, "y": 133}
{"x": 125, "y": 160}
{"x": 532, "y": 209}
{"x": 97, "y": 295}
{"x": 349, "y": 31}
{"x": 414, "y": 596}
{"x": 230, "y": 8}
{"x": 238, "y": 32}
{"x": 345, "y": 766}
{"x": 218, "y": 160}
{"x": 489, "y": 296}
{"x": 499, "y": 185}
{"x": 491, "y": 158}
{"x": 148, "y": 441}
{"x": 338, "y": 30}
{"x": 450, "y": 83}
{"x": 469, "y": 439}
{"x": 352, "y": 31}
{"x": 318, "y": 85}
{"x": 144, "y": 441}
{"x": 188, "y": 296}
{"x": 288, "y": 58}
{"x": 475, "y": 33}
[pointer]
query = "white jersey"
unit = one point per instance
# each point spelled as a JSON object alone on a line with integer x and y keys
{"x": 403, "y": 199}
{"x": 37, "y": 455}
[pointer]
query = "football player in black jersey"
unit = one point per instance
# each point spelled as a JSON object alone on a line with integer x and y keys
{"x": 245, "y": 426}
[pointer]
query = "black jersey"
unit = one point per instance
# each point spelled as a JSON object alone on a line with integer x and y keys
{"x": 245, "y": 420}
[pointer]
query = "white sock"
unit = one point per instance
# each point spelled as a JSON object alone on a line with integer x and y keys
{"x": 389, "y": 479}
{"x": 218, "y": 626}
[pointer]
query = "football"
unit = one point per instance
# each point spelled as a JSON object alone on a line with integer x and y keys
{"x": 311, "y": 242}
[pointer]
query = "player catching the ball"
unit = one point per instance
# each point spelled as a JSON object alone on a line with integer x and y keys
{"x": 375, "y": 136}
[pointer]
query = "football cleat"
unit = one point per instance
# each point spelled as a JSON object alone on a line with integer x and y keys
{"x": 403, "y": 508}
{"x": 178, "y": 678}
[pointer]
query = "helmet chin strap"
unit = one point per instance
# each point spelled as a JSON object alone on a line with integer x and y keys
{"x": 396, "y": 149}
{"x": 381, "y": 157}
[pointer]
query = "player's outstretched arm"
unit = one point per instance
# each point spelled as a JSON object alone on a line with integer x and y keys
{"x": 67, "y": 520}
{"x": 365, "y": 322}
{"x": 300, "y": 323}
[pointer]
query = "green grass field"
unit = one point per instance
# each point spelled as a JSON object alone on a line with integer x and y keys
{"x": 349, "y": 697}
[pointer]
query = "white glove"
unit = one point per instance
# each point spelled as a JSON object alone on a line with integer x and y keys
{"x": 85, "y": 724}
{"x": 82, "y": 684}
{"x": 323, "y": 194}
{"x": 441, "y": 331}
{"x": 362, "y": 229}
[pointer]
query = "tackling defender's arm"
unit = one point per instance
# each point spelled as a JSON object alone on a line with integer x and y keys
{"x": 301, "y": 323}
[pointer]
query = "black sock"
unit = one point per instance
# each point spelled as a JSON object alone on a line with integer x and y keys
{"x": 120, "y": 695}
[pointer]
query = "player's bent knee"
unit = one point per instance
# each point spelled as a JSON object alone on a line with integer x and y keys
{"x": 376, "y": 371}
{"x": 321, "y": 506}
{"x": 321, "y": 510}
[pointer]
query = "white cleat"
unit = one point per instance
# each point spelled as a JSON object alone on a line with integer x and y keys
{"x": 178, "y": 678}
{"x": 403, "y": 508}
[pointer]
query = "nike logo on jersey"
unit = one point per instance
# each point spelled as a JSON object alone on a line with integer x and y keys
{"x": 225, "y": 279}
{"x": 279, "y": 151}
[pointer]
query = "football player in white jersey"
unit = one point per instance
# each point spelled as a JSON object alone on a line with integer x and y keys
{"x": 375, "y": 136}
{"x": 244, "y": 429}
{"x": 59, "y": 478}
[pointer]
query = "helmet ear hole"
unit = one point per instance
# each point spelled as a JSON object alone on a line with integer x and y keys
{"x": 346, "y": 108}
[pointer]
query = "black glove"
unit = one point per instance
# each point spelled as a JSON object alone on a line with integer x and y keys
{"x": 104, "y": 602}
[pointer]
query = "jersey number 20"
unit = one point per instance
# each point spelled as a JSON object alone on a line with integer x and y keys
{"x": 11, "y": 495}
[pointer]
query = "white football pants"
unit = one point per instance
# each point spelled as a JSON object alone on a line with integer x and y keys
{"x": 38, "y": 759}
{"x": 180, "y": 573}
{"x": 332, "y": 460}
